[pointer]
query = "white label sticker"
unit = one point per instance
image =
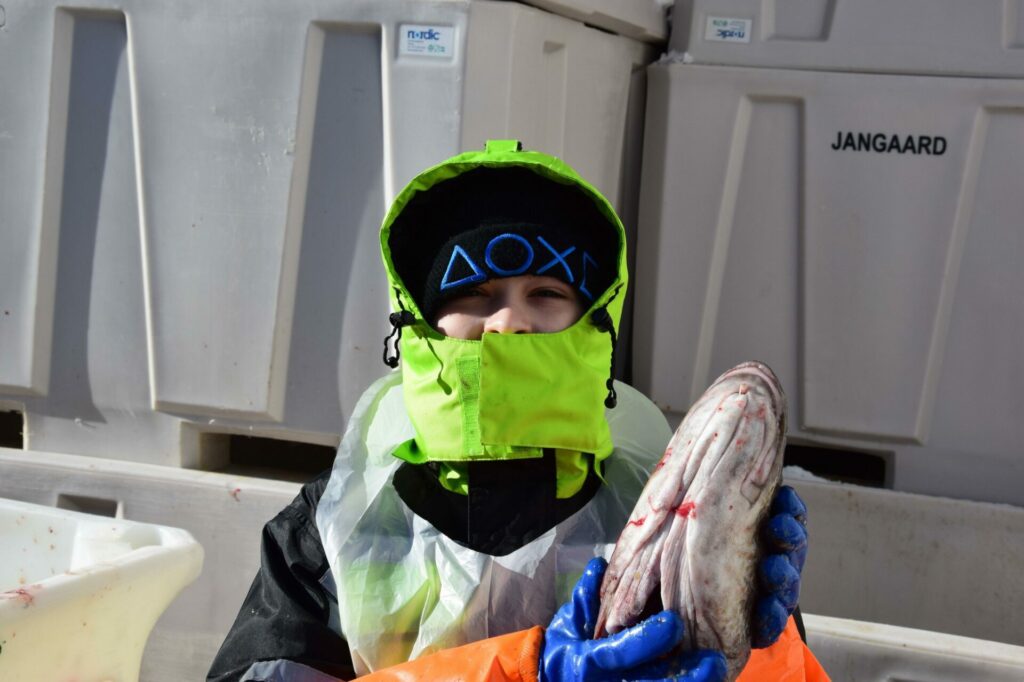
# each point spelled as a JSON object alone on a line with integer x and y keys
{"x": 728, "y": 30}
{"x": 426, "y": 41}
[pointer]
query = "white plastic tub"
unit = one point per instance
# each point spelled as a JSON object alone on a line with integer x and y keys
{"x": 80, "y": 593}
{"x": 225, "y": 514}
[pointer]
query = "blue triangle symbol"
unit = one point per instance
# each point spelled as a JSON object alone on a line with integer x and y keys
{"x": 477, "y": 276}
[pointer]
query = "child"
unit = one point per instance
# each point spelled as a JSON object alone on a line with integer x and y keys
{"x": 473, "y": 488}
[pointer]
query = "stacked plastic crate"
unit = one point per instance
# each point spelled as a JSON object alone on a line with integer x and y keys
{"x": 834, "y": 188}
{"x": 190, "y": 285}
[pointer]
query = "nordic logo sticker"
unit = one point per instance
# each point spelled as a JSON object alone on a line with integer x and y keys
{"x": 725, "y": 29}
{"x": 462, "y": 269}
{"x": 426, "y": 41}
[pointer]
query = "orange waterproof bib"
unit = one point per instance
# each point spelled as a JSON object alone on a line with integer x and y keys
{"x": 513, "y": 658}
{"x": 788, "y": 660}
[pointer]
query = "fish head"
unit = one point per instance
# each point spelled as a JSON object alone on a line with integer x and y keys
{"x": 760, "y": 429}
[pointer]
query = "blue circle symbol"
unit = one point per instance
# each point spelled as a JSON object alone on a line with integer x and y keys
{"x": 501, "y": 271}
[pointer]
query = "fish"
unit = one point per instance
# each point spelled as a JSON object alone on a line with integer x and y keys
{"x": 691, "y": 543}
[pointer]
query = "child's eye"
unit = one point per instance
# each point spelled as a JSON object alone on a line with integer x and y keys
{"x": 550, "y": 293}
{"x": 467, "y": 293}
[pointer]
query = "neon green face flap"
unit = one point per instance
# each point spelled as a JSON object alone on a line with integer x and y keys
{"x": 545, "y": 390}
{"x": 441, "y": 387}
{"x": 507, "y": 396}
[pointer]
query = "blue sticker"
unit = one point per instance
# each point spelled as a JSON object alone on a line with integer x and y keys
{"x": 583, "y": 284}
{"x": 477, "y": 276}
{"x": 558, "y": 258}
{"x": 501, "y": 271}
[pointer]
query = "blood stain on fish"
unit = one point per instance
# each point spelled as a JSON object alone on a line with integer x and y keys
{"x": 688, "y": 508}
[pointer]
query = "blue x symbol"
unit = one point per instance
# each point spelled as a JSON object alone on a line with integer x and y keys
{"x": 558, "y": 258}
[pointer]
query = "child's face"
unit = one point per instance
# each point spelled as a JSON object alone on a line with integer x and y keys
{"x": 512, "y": 305}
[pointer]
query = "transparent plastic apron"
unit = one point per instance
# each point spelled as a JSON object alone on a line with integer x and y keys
{"x": 405, "y": 590}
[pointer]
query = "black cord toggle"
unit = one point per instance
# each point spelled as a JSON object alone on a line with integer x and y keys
{"x": 401, "y": 319}
{"x": 602, "y": 320}
{"x": 398, "y": 320}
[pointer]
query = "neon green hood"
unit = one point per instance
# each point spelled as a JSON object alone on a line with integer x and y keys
{"x": 506, "y": 396}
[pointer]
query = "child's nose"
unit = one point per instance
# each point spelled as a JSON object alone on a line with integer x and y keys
{"x": 508, "y": 319}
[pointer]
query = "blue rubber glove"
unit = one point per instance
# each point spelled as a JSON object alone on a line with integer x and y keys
{"x": 785, "y": 538}
{"x": 639, "y": 653}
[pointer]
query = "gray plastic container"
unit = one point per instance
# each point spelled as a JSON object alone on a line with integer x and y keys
{"x": 641, "y": 19}
{"x": 190, "y": 196}
{"x": 913, "y": 561}
{"x": 857, "y": 650}
{"x": 862, "y": 235}
{"x": 948, "y": 37}
{"x": 884, "y": 557}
